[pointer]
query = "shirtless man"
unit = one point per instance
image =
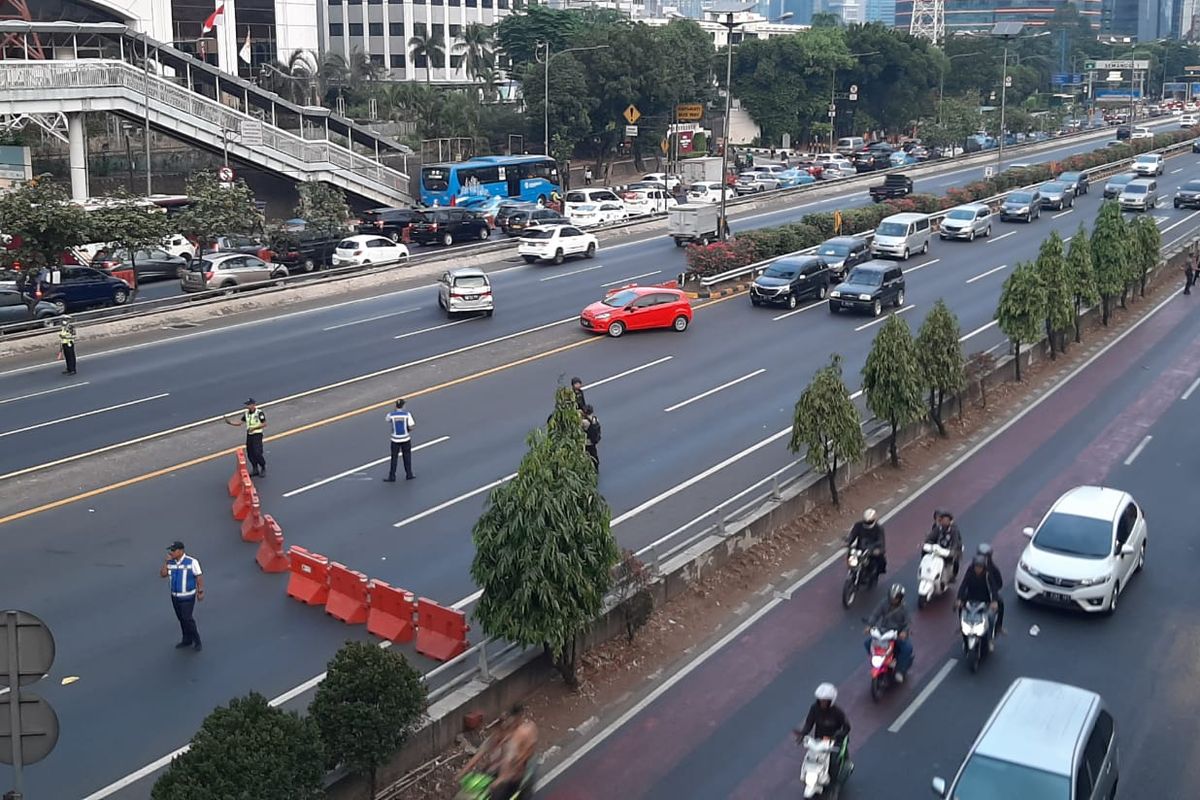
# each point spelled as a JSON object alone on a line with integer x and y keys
{"x": 506, "y": 754}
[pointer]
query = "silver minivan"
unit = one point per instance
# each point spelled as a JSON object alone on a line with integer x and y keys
{"x": 1139, "y": 195}
{"x": 900, "y": 235}
{"x": 966, "y": 222}
{"x": 849, "y": 144}
{"x": 1046, "y": 740}
{"x": 465, "y": 289}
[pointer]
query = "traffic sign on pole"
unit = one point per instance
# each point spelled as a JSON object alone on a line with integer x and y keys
{"x": 28, "y": 725}
{"x": 632, "y": 114}
{"x": 225, "y": 174}
{"x": 631, "y": 130}
{"x": 689, "y": 112}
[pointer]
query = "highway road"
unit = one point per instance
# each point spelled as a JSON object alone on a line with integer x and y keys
{"x": 723, "y": 729}
{"x": 689, "y": 420}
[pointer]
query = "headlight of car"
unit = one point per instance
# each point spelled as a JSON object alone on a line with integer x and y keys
{"x": 835, "y": 293}
{"x": 1023, "y": 210}
{"x": 864, "y": 297}
{"x": 605, "y": 315}
{"x": 1025, "y": 566}
{"x": 1099, "y": 580}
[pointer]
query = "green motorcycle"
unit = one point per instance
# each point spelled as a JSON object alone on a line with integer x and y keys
{"x": 478, "y": 785}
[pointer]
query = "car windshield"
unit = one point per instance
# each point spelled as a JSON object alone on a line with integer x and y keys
{"x": 620, "y": 299}
{"x": 576, "y": 197}
{"x": 1020, "y": 197}
{"x": 1191, "y": 186}
{"x": 348, "y": 244}
{"x": 778, "y": 270}
{"x": 1054, "y": 187}
{"x": 960, "y": 213}
{"x": 470, "y": 281}
{"x": 1146, "y": 159}
{"x": 1074, "y": 535}
{"x": 838, "y": 250}
{"x": 536, "y": 233}
{"x": 1136, "y": 188}
{"x": 891, "y": 229}
{"x": 992, "y": 779}
{"x": 518, "y": 216}
{"x": 865, "y": 277}
{"x": 1121, "y": 179}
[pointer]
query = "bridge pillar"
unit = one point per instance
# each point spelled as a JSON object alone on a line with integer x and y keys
{"x": 77, "y": 142}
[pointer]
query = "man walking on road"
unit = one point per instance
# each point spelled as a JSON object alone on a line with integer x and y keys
{"x": 1189, "y": 272}
{"x": 66, "y": 343}
{"x": 401, "y": 424}
{"x": 256, "y": 422}
{"x": 591, "y": 429}
{"x": 187, "y": 586}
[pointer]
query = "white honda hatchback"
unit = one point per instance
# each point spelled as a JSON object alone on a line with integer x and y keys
{"x": 1084, "y": 551}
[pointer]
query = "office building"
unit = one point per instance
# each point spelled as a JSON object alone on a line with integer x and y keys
{"x": 880, "y": 11}
{"x": 979, "y": 16}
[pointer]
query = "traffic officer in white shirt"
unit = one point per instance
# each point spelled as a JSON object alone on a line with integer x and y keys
{"x": 400, "y": 423}
{"x": 187, "y": 586}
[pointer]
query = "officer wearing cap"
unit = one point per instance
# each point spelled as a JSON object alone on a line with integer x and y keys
{"x": 187, "y": 586}
{"x": 256, "y": 422}
{"x": 66, "y": 343}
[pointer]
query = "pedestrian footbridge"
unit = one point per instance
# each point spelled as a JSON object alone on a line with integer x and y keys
{"x": 141, "y": 79}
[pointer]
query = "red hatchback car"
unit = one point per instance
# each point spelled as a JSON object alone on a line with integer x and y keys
{"x": 634, "y": 307}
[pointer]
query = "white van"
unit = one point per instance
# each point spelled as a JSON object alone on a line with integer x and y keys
{"x": 901, "y": 235}
{"x": 849, "y": 144}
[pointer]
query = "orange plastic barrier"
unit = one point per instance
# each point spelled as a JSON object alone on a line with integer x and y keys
{"x": 391, "y": 614}
{"x": 254, "y": 527}
{"x": 239, "y": 472}
{"x": 349, "y": 595}
{"x": 441, "y": 632}
{"x": 309, "y": 581}
{"x": 245, "y": 500}
{"x": 271, "y": 557}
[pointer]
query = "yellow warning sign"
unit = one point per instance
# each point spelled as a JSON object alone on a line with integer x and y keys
{"x": 632, "y": 115}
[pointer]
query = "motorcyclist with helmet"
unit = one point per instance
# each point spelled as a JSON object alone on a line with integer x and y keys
{"x": 997, "y": 581}
{"x": 867, "y": 535}
{"x": 826, "y": 720}
{"x": 977, "y": 587}
{"x": 893, "y": 616}
{"x": 945, "y": 533}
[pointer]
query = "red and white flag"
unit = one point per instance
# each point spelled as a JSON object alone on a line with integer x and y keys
{"x": 245, "y": 52}
{"x": 214, "y": 19}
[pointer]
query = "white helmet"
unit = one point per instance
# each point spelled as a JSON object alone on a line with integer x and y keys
{"x": 869, "y": 516}
{"x": 827, "y": 691}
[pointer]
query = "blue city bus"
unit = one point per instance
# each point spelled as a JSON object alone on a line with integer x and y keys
{"x": 479, "y": 180}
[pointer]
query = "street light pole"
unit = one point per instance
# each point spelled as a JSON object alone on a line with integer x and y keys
{"x": 1003, "y": 97}
{"x": 729, "y": 24}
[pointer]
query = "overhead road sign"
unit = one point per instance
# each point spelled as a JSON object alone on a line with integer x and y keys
{"x": 1124, "y": 63}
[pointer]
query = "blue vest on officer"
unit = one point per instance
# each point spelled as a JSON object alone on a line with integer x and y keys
{"x": 182, "y": 574}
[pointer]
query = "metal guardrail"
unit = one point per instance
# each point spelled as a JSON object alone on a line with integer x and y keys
{"x": 755, "y": 269}
{"x": 51, "y": 75}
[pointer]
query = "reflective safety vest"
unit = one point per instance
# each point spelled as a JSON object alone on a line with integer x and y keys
{"x": 66, "y": 336}
{"x": 254, "y": 421}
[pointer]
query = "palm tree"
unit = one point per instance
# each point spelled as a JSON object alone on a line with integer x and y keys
{"x": 296, "y": 80}
{"x": 430, "y": 47}
{"x": 475, "y": 45}
{"x": 333, "y": 73}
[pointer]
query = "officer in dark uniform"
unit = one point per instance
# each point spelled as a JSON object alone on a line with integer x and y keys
{"x": 256, "y": 422}
{"x": 66, "y": 342}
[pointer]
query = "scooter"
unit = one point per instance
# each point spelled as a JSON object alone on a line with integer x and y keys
{"x": 478, "y": 785}
{"x": 934, "y": 573}
{"x": 861, "y": 570}
{"x": 976, "y": 625}
{"x": 814, "y": 772}
{"x": 883, "y": 661}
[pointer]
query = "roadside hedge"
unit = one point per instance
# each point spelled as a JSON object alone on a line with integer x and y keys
{"x": 812, "y": 229}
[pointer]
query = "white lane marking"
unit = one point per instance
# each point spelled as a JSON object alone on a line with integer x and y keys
{"x": 437, "y": 327}
{"x": 994, "y": 239}
{"x": 1177, "y": 224}
{"x": 1175, "y": 171}
{"x": 84, "y": 414}
{"x": 453, "y": 501}
{"x": 298, "y": 396}
{"x": 1067, "y": 238}
{"x": 884, "y": 318}
{"x": 716, "y": 389}
{"x": 925, "y": 694}
{"x": 979, "y": 330}
{"x": 360, "y": 468}
{"x": 983, "y": 275}
{"x": 796, "y": 311}
{"x": 1160, "y": 220}
{"x": 569, "y": 274}
{"x": 1190, "y": 389}
{"x": 630, "y": 278}
{"x": 1137, "y": 451}
{"x": 44, "y": 391}
{"x": 929, "y": 263}
{"x": 612, "y": 378}
{"x": 1062, "y": 213}
{"x": 368, "y": 319}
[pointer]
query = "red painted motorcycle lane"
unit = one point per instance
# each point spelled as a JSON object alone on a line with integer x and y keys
{"x": 649, "y": 746}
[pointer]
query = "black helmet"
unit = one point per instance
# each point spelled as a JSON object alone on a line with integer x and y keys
{"x": 946, "y": 513}
{"x": 980, "y": 561}
{"x": 896, "y": 592}
{"x": 984, "y": 550}
{"x": 938, "y": 514}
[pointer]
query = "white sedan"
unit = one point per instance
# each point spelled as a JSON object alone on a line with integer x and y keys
{"x": 555, "y": 243}
{"x": 355, "y": 251}
{"x": 669, "y": 181}
{"x": 601, "y": 213}
{"x": 1085, "y": 550}
{"x": 1142, "y": 132}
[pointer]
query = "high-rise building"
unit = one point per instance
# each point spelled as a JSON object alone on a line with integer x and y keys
{"x": 979, "y": 16}
{"x": 880, "y": 11}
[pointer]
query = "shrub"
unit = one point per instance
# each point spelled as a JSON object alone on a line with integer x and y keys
{"x": 713, "y": 259}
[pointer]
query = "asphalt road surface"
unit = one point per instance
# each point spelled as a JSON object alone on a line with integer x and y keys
{"x": 723, "y": 730}
{"x": 689, "y": 420}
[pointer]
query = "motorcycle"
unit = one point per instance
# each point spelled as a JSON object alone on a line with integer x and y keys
{"x": 934, "y": 573}
{"x": 478, "y": 785}
{"x": 814, "y": 772}
{"x": 861, "y": 570}
{"x": 883, "y": 661}
{"x": 976, "y": 625}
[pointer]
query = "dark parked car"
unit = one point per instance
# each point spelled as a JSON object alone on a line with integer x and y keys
{"x": 449, "y": 225}
{"x": 1188, "y": 195}
{"x": 509, "y": 207}
{"x": 305, "y": 251}
{"x": 843, "y": 252}
{"x": 83, "y": 287}
{"x": 389, "y": 222}
{"x": 872, "y": 158}
{"x": 518, "y": 221}
{"x": 1078, "y": 182}
{"x": 788, "y": 280}
{"x": 16, "y": 309}
{"x": 250, "y": 245}
{"x": 869, "y": 287}
{"x": 1124, "y": 131}
{"x": 147, "y": 264}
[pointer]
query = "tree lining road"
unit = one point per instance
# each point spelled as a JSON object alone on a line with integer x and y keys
{"x": 736, "y": 743}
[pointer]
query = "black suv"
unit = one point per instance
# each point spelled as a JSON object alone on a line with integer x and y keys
{"x": 869, "y": 287}
{"x": 788, "y": 280}
{"x": 449, "y": 225}
{"x": 389, "y": 222}
{"x": 1124, "y": 132}
{"x": 843, "y": 252}
{"x": 304, "y": 251}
